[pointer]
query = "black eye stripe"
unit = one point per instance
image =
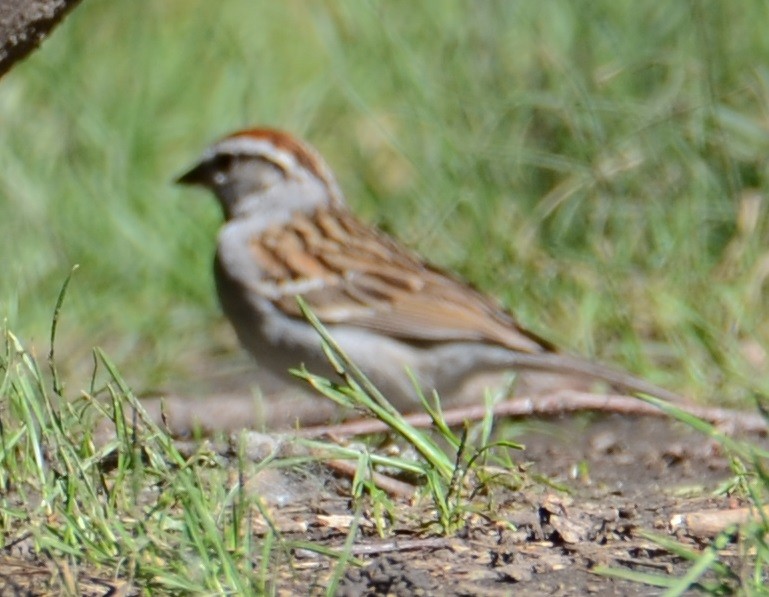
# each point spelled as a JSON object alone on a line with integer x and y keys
{"x": 222, "y": 161}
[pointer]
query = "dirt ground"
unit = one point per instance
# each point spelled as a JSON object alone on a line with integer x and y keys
{"x": 610, "y": 479}
{"x": 624, "y": 476}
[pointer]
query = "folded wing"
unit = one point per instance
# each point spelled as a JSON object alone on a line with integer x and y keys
{"x": 349, "y": 273}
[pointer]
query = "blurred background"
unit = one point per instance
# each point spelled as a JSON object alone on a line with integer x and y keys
{"x": 600, "y": 167}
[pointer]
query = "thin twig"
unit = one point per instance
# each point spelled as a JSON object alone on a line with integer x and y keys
{"x": 387, "y": 484}
{"x": 709, "y": 523}
{"x": 559, "y": 403}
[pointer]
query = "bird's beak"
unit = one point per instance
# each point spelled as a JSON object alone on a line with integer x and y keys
{"x": 197, "y": 176}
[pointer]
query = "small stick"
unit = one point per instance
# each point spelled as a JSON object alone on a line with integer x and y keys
{"x": 559, "y": 403}
{"x": 399, "y": 545}
{"x": 392, "y": 486}
{"x": 708, "y": 523}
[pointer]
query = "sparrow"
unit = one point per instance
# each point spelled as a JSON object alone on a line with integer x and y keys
{"x": 288, "y": 232}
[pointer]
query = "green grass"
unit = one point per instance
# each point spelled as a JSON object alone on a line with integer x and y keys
{"x": 92, "y": 484}
{"x": 444, "y": 470}
{"x": 600, "y": 168}
{"x": 152, "y": 517}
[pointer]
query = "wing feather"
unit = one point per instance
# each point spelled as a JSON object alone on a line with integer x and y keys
{"x": 358, "y": 276}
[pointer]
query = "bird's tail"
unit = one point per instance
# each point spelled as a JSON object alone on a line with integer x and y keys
{"x": 623, "y": 381}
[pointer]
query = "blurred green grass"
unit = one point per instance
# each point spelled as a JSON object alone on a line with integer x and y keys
{"x": 600, "y": 167}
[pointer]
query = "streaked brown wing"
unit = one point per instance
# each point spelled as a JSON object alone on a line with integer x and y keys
{"x": 351, "y": 274}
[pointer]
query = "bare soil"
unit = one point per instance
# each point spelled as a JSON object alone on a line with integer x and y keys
{"x": 608, "y": 480}
{"x": 619, "y": 478}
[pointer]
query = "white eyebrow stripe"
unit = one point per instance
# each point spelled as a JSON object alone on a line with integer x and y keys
{"x": 257, "y": 147}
